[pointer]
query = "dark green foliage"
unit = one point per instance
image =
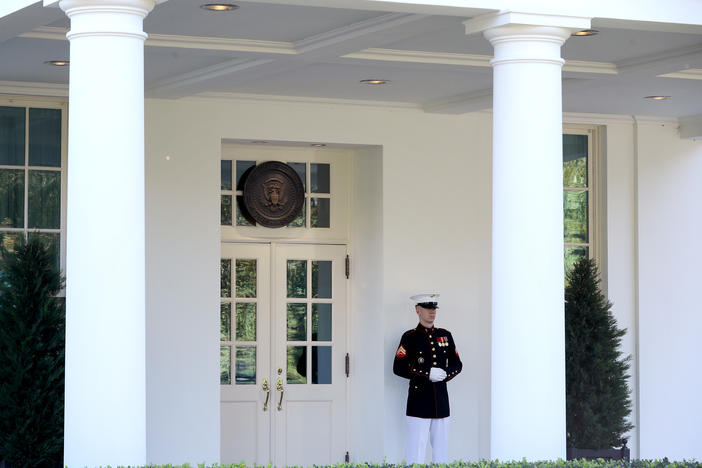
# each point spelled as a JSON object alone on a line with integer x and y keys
{"x": 597, "y": 394}
{"x": 31, "y": 357}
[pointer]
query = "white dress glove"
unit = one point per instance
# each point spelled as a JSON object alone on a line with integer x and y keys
{"x": 436, "y": 374}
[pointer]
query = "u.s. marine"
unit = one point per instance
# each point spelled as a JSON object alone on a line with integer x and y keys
{"x": 428, "y": 357}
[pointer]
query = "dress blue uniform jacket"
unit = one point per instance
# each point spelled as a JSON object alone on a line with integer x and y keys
{"x": 421, "y": 349}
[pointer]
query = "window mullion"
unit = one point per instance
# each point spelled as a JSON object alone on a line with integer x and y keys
{"x": 26, "y": 172}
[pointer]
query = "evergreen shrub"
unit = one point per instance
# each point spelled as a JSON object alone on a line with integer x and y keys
{"x": 31, "y": 357}
{"x": 597, "y": 393}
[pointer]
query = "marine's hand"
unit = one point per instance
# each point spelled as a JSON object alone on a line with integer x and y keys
{"x": 436, "y": 374}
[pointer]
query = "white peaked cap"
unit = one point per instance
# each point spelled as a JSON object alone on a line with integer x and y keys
{"x": 420, "y": 298}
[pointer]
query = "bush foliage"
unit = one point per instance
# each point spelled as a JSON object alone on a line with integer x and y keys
{"x": 597, "y": 394}
{"x": 31, "y": 357}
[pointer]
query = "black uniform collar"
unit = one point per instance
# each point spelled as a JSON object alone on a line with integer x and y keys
{"x": 426, "y": 330}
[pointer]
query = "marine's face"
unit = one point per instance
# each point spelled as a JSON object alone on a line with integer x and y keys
{"x": 426, "y": 316}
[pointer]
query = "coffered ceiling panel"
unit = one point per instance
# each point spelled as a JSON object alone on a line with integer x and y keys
{"x": 289, "y": 48}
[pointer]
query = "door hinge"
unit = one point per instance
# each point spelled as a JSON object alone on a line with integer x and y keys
{"x": 347, "y": 457}
{"x": 348, "y": 267}
{"x": 348, "y": 365}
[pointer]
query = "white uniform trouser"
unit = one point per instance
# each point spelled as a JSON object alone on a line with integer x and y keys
{"x": 418, "y": 431}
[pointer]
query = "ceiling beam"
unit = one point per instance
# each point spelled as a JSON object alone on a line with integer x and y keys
{"x": 467, "y": 60}
{"x": 167, "y": 87}
{"x": 461, "y": 103}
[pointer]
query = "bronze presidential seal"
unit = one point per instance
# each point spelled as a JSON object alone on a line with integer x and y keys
{"x": 273, "y": 194}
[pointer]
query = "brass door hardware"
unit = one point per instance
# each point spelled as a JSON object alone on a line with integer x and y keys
{"x": 267, "y": 389}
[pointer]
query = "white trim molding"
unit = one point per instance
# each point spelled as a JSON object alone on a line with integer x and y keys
{"x": 33, "y": 88}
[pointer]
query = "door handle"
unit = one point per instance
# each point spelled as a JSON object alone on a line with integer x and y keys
{"x": 279, "y": 387}
{"x": 267, "y": 389}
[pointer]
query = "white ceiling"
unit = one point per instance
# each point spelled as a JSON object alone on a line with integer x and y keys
{"x": 310, "y": 52}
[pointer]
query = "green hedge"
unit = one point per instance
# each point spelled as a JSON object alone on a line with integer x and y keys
{"x": 487, "y": 464}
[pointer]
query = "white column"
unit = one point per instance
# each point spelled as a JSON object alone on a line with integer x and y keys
{"x": 528, "y": 347}
{"x": 105, "y": 420}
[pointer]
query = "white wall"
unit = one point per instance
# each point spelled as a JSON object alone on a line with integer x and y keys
{"x": 421, "y": 222}
{"x": 670, "y": 314}
{"x": 436, "y": 226}
{"x": 621, "y": 274}
{"x": 366, "y": 395}
{"x": 182, "y": 284}
{"x": 434, "y": 235}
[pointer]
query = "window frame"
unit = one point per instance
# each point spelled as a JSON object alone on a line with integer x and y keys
{"x": 43, "y": 103}
{"x": 596, "y": 194}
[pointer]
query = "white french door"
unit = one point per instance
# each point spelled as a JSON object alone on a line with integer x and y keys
{"x": 283, "y": 346}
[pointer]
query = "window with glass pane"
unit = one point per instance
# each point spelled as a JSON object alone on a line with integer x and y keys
{"x": 226, "y": 210}
{"x": 321, "y": 322}
{"x": 44, "y": 199}
{"x": 246, "y": 365}
{"x": 576, "y": 198}
{"x": 12, "y": 125}
{"x": 12, "y": 198}
{"x": 225, "y": 322}
{"x": 45, "y": 137}
{"x": 226, "y": 278}
{"x": 225, "y": 365}
{"x": 246, "y": 321}
{"x": 297, "y": 365}
{"x": 245, "y": 278}
{"x": 30, "y": 176}
{"x": 238, "y": 321}
{"x": 296, "y": 317}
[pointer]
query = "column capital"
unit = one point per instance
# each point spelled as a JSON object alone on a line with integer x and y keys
{"x": 118, "y": 18}
{"x": 483, "y": 23}
{"x": 137, "y": 7}
{"x": 519, "y": 37}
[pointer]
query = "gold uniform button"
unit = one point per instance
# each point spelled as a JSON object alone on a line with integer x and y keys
{"x": 434, "y": 363}
{"x": 433, "y": 349}
{"x": 434, "y": 355}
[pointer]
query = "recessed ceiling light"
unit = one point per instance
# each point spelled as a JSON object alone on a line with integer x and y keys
{"x": 318, "y": 145}
{"x": 375, "y": 81}
{"x": 57, "y": 63}
{"x": 586, "y": 32}
{"x": 219, "y": 6}
{"x": 658, "y": 98}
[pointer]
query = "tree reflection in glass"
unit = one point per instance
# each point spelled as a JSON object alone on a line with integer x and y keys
{"x": 297, "y": 365}
{"x": 245, "y": 278}
{"x": 225, "y": 321}
{"x": 225, "y": 365}
{"x": 246, "y": 321}
{"x": 246, "y": 365}
{"x": 297, "y": 278}
{"x": 297, "y": 322}
{"x": 226, "y": 278}
{"x": 575, "y": 214}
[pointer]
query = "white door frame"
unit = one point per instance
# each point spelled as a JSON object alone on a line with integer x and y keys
{"x": 272, "y": 246}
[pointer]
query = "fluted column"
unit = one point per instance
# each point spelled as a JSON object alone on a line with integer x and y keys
{"x": 105, "y": 263}
{"x": 528, "y": 345}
